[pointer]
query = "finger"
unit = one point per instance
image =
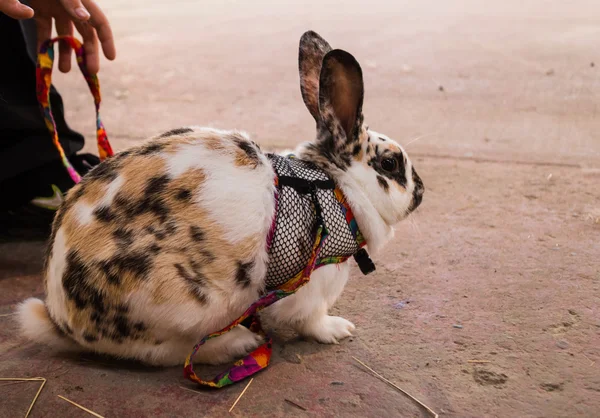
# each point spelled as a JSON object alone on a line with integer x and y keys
{"x": 64, "y": 27}
{"x": 76, "y": 9}
{"x": 44, "y": 29}
{"x": 90, "y": 46}
{"x": 17, "y": 10}
{"x": 103, "y": 29}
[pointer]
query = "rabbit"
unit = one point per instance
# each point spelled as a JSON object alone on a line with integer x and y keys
{"x": 164, "y": 243}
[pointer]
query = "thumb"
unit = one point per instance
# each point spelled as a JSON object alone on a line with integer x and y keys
{"x": 76, "y": 9}
{"x": 15, "y": 9}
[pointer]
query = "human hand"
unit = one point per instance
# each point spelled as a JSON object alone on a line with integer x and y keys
{"x": 85, "y": 15}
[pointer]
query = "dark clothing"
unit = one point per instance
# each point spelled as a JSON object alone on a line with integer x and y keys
{"x": 25, "y": 144}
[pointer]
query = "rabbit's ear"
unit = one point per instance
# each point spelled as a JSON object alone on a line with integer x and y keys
{"x": 341, "y": 93}
{"x": 310, "y": 57}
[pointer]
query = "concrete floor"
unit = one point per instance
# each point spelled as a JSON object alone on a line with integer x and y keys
{"x": 505, "y": 98}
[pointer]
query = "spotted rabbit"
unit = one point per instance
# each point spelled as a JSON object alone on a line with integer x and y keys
{"x": 166, "y": 242}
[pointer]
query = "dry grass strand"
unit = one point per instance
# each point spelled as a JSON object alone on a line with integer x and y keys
{"x": 30, "y": 379}
{"x": 392, "y": 384}
{"x": 83, "y": 408}
{"x": 241, "y": 394}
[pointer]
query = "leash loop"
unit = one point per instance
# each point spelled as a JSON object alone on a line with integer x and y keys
{"x": 43, "y": 83}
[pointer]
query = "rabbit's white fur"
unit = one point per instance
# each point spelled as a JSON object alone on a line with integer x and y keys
{"x": 166, "y": 242}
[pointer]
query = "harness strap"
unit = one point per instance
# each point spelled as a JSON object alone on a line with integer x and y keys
{"x": 364, "y": 262}
{"x": 303, "y": 186}
{"x": 44, "y": 81}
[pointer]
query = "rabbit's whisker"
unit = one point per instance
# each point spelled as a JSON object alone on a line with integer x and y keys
{"x": 419, "y": 137}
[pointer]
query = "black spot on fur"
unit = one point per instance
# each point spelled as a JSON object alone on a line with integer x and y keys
{"x": 76, "y": 285}
{"x": 113, "y": 325}
{"x": 112, "y": 276}
{"x": 123, "y": 154}
{"x": 122, "y": 308}
{"x": 382, "y": 139}
{"x": 151, "y": 202}
{"x": 196, "y": 233}
{"x": 417, "y": 192}
{"x": 184, "y": 195}
{"x": 151, "y": 149}
{"x": 356, "y": 150}
{"x": 159, "y": 234}
{"x": 383, "y": 183}
{"x": 156, "y": 185}
{"x": 195, "y": 281}
{"x": 121, "y": 326}
{"x": 249, "y": 148}
{"x": 242, "y": 276}
{"x": 96, "y": 318}
{"x": 177, "y": 131}
{"x": 104, "y": 214}
{"x": 107, "y": 170}
{"x": 123, "y": 204}
{"x": 134, "y": 262}
{"x": 123, "y": 237}
{"x": 324, "y": 152}
{"x": 77, "y": 193}
{"x": 154, "y": 248}
{"x": 208, "y": 256}
{"x": 170, "y": 227}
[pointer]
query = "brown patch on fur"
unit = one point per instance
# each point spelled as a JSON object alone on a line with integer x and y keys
{"x": 40, "y": 312}
{"x": 243, "y": 160}
{"x": 383, "y": 183}
{"x": 213, "y": 142}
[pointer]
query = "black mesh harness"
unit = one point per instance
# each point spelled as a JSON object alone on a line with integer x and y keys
{"x": 307, "y": 196}
{"x": 313, "y": 225}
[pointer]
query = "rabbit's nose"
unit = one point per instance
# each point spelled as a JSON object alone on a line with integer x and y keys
{"x": 418, "y": 191}
{"x": 417, "y": 197}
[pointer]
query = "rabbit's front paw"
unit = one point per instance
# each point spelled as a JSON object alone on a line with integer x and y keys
{"x": 328, "y": 329}
{"x": 228, "y": 347}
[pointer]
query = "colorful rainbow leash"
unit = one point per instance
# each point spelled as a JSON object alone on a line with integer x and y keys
{"x": 44, "y": 81}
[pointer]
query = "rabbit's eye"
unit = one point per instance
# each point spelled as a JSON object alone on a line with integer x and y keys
{"x": 389, "y": 164}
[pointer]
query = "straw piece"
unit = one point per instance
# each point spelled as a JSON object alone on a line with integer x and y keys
{"x": 591, "y": 362}
{"x": 478, "y": 361}
{"x": 43, "y": 380}
{"x": 81, "y": 407}
{"x": 296, "y": 405}
{"x": 8, "y": 314}
{"x": 190, "y": 390}
{"x": 13, "y": 383}
{"x": 431, "y": 411}
{"x": 241, "y": 394}
{"x": 30, "y": 379}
